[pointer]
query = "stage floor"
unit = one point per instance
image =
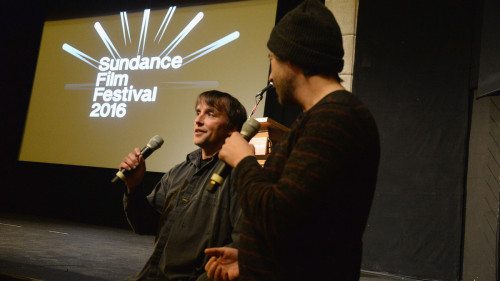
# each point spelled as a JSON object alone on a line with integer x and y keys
{"x": 38, "y": 248}
{"x": 49, "y": 249}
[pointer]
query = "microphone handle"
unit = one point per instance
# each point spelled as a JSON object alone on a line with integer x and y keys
{"x": 222, "y": 169}
{"x": 220, "y": 172}
{"x": 146, "y": 151}
{"x": 122, "y": 173}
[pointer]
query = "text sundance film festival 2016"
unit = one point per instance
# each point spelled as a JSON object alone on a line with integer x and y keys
{"x": 113, "y": 88}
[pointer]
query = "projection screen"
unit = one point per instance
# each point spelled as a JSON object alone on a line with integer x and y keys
{"x": 106, "y": 84}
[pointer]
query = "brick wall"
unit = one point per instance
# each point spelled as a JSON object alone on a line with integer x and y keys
{"x": 483, "y": 188}
{"x": 345, "y": 12}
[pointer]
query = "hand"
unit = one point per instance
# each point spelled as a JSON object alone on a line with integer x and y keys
{"x": 235, "y": 149}
{"x": 135, "y": 164}
{"x": 223, "y": 264}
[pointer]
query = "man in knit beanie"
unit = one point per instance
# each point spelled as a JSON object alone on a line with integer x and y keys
{"x": 309, "y": 37}
{"x": 305, "y": 211}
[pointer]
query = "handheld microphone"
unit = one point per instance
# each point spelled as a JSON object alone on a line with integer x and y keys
{"x": 153, "y": 144}
{"x": 248, "y": 131}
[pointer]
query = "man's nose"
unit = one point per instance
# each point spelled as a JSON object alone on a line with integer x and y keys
{"x": 198, "y": 119}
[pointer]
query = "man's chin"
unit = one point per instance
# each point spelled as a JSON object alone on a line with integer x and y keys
{"x": 197, "y": 141}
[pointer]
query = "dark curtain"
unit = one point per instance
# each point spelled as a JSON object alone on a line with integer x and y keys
{"x": 415, "y": 67}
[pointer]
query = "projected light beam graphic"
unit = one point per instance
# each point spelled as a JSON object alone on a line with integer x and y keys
{"x": 144, "y": 32}
{"x": 107, "y": 42}
{"x": 114, "y": 89}
{"x": 125, "y": 28}
{"x": 80, "y": 55}
{"x": 165, "y": 22}
{"x": 142, "y": 40}
{"x": 182, "y": 34}
{"x": 215, "y": 45}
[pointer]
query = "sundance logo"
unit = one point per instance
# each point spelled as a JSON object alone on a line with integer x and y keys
{"x": 113, "y": 90}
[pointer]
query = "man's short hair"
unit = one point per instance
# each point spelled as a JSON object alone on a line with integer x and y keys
{"x": 226, "y": 103}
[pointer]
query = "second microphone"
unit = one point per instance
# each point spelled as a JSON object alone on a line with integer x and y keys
{"x": 248, "y": 131}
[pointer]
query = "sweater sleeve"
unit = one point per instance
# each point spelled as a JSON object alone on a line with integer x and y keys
{"x": 314, "y": 163}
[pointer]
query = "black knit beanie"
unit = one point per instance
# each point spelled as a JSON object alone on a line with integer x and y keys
{"x": 309, "y": 36}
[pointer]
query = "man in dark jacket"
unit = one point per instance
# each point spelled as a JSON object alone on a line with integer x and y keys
{"x": 184, "y": 215}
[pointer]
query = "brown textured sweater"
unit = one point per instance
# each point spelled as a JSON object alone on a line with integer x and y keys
{"x": 306, "y": 210}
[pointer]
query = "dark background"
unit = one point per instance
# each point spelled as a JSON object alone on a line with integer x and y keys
{"x": 69, "y": 192}
{"x": 416, "y": 67}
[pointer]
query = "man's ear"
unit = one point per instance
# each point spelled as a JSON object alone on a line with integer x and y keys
{"x": 295, "y": 68}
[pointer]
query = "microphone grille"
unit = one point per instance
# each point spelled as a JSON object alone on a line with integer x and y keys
{"x": 155, "y": 142}
{"x": 250, "y": 128}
